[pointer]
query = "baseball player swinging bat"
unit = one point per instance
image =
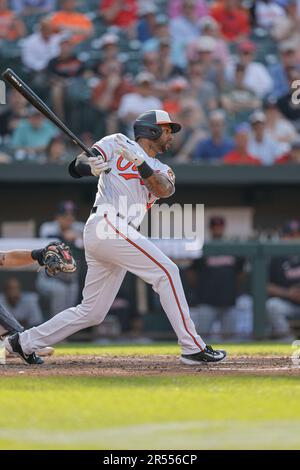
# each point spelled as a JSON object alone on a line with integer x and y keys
{"x": 15, "y": 81}
{"x": 113, "y": 244}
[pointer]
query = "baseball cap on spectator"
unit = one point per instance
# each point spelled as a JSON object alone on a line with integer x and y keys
{"x": 216, "y": 220}
{"x": 144, "y": 77}
{"x": 178, "y": 84}
{"x": 161, "y": 19}
{"x": 287, "y": 46}
{"x": 257, "y": 116}
{"x": 109, "y": 39}
{"x": 217, "y": 115}
{"x": 208, "y": 22}
{"x": 65, "y": 36}
{"x": 206, "y": 44}
{"x": 66, "y": 208}
{"x": 247, "y": 46}
{"x": 291, "y": 227}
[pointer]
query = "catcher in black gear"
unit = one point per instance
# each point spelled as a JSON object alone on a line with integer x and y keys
{"x": 55, "y": 257}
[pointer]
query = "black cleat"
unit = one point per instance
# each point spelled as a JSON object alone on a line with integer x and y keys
{"x": 31, "y": 359}
{"x": 207, "y": 355}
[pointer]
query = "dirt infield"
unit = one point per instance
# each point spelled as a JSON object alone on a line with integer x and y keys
{"x": 149, "y": 365}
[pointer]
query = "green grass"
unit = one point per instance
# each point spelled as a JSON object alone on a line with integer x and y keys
{"x": 196, "y": 412}
{"x": 172, "y": 348}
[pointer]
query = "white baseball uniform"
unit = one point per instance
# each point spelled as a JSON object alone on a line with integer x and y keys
{"x": 112, "y": 247}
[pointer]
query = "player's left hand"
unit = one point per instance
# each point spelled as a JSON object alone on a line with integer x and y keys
{"x": 128, "y": 149}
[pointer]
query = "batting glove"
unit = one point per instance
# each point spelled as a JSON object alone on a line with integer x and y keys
{"x": 98, "y": 165}
{"x": 129, "y": 150}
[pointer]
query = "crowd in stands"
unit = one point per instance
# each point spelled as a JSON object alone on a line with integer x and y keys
{"x": 224, "y": 68}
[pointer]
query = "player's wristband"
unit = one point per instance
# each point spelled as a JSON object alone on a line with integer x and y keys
{"x": 37, "y": 255}
{"x": 145, "y": 170}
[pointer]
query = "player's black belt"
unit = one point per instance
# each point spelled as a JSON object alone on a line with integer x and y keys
{"x": 94, "y": 210}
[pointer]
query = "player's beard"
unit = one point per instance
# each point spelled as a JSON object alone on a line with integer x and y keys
{"x": 165, "y": 146}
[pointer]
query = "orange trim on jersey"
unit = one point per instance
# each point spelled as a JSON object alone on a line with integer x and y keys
{"x": 101, "y": 150}
{"x": 165, "y": 271}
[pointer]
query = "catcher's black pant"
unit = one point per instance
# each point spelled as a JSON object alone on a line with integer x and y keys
{"x": 8, "y": 323}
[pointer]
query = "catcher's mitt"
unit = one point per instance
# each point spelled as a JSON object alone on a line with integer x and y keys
{"x": 56, "y": 257}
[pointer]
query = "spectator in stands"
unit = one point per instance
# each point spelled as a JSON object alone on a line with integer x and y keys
{"x": 256, "y": 75}
{"x": 291, "y": 157}
{"x": 138, "y": 102}
{"x": 56, "y": 151}
{"x": 68, "y": 19}
{"x": 277, "y": 126}
{"x": 12, "y": 113}
{"x": 184, "y": 27}
{"x": 218, "y": 144}
{"x": 175, "y": 91}
{"x": 240, "y": 154}
{"x": 109, "y": 47}
{"x": 161, "y": 37}
{"x": 193, "y": 121}
{"x": 210, "y": 27}
{"x": 61, "y": 70}
{"x": 279, "y": 71}
{"x": 287, "y": 25}
{"x": 168, "y": 69}
{"x": 233, "y": 20}
{"x": 284, "y": 286}
{"x": 147, "y": 21}
{"x": 40, "y": 47}
{"x": 121, "y": 13}
{"x": 176, "y": 6}
{"x": 239, "y": 100}
{"x": 267, "y": 13}
{"x": 33, "y": 7}
{"x": 203, "y": 91}
{"x": 32, "y": 135}
{"x": 11, "y": 27}
{"x": 23, "y": 305}
{"x": 107, "y": 94}
{"x": 204, "y": 51}
{"x": 160, "y": 32}
{"x": 261, "y": 146}
{"x": 159, "y": 63}
{"x": 62, "y": 292}
{"x": 215, "y": 274}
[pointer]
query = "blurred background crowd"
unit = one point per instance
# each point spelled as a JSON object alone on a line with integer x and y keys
{"x": 227, "y": 70}
{"x": 223, "y": 68}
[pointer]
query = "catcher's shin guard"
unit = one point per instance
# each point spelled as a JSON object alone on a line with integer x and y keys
{"x": 8, "y": 324}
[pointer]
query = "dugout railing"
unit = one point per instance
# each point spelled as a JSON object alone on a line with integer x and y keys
{"x": 259, "y": 254}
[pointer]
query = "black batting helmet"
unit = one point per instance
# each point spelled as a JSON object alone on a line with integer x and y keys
{"x": 147, "y": 125}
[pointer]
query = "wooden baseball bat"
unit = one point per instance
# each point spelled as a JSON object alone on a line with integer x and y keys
{"x": 15, "y": 81}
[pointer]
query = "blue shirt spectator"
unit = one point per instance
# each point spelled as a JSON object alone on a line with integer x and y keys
{"x": 33, "y": 133}
{"x": 210, "y": 150}
{"x": 218, "y": 144}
